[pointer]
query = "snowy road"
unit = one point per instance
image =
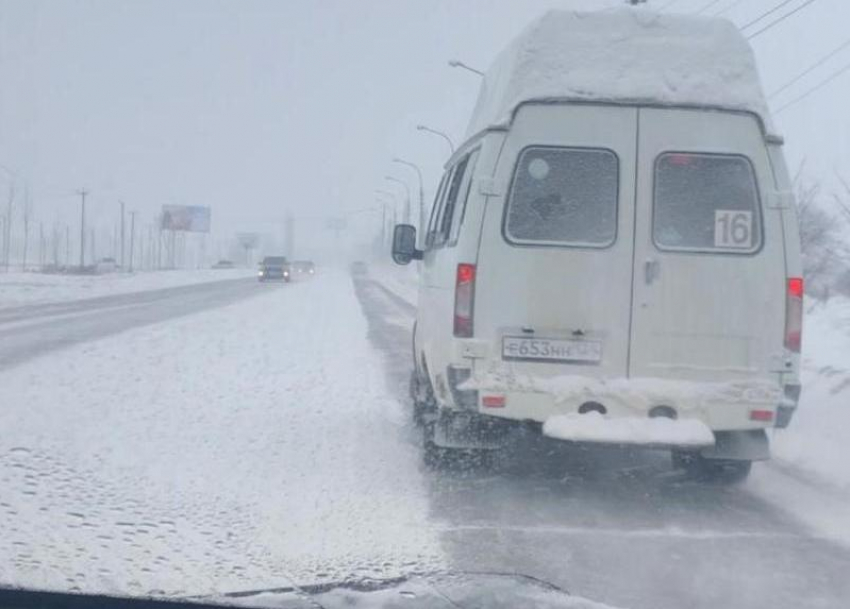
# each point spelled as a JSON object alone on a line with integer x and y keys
{"x": 29, "y": 331}
{"x": 268, "y": 440}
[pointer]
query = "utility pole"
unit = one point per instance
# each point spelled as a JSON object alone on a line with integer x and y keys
{"x": 41, "y": 244}
{"x": 67, "y": 245}
{"x": 122, "y": 233}
{"x": 26, "y": 218}
{"x": 7, "y": 239}
{"x": 54, "y": 243}
{"x": 289, "y": 236}
{"x": 83, "y": 194}
{"x": 132, "y": 236}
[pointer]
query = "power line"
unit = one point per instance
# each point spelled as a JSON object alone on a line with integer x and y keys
{"x": 729, "y": 8}
{"x": 817, "y": 87}
{"x": 779, "y": 20}
{"x": 811, "y": 68}
{"x": 668, "y": 5}
{"x": 766, "y": 14}
{"x": 706, "y": 7}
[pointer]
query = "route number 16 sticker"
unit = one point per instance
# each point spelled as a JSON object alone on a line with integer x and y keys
{"x": 733, "y": 229}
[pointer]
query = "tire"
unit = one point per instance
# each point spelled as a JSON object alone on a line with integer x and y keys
{"x": 438, "y": 457}
{"x": 715, "y": 471}
{"x": 422, "y": 404}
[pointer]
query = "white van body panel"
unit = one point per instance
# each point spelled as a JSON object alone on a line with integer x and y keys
{"x": 707, "y": 315}
{"x": 701, "y": 334}
{"x": 434, "y": 343}
{"x": 555, "y": 291}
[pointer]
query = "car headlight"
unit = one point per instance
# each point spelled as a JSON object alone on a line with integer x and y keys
{"x": 259, "y": 273}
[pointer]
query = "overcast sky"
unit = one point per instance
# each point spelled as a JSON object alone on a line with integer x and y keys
{"x": 257, "y": 108}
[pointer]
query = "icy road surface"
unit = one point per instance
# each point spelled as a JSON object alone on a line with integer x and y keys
{"x": 28, "y": 331}
{"x": 268, "y": 440}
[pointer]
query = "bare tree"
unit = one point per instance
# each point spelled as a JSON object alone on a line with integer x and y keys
{"x": 825, "y": 255}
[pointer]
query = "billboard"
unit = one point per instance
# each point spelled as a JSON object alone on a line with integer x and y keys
{"x": 189, "y": 218}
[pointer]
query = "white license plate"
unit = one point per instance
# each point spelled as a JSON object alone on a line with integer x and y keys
{"x": 551, "y": 349}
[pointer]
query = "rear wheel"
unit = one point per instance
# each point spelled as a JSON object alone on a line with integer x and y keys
{"x": 423, "y": 398}
{"x": 457, "y": 457}
{"x": 718, "y": 471}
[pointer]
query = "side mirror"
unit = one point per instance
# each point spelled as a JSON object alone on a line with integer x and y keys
{"x": 404, "y": 244}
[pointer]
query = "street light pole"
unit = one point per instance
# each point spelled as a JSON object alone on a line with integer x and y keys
{"x": 383, "y": 221}
{"x": 406, "y": 216}
{"x": 440, "y": 133}
{"x": 83, "y": 194}
{"x": 421, "y": 190}
{"x": 459, "y": 64}
{"x": 393, "y": 200}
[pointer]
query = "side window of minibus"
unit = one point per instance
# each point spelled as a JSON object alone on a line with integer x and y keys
{"x": 463, "y": 197}
{"x": 445, "y": 220}
{"x": 435, "y": 210}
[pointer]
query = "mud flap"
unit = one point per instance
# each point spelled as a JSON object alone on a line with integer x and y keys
{"x": 748, "y": 445}
{"x": 469, "y": 431}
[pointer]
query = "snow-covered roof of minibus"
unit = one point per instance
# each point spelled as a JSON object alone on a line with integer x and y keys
{"x": 622, "y": 55}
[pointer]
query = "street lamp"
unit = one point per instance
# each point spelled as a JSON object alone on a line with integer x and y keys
{"x": 421, "y": 190}
{"x": 388, "y": 193}
{"x": 459, "y": 64}
{"x": 407, "y": 200}
{"x": 440, "y": 133}
{"x": 393, "y": 201}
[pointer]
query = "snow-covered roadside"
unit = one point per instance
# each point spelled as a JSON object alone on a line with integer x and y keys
{"x": 17, "y": 288}
{"x": 177, "y": 458}
{"x": 809, "y": 475}
{"x": 403, "y": 281}
{"x": 818, "y": 439}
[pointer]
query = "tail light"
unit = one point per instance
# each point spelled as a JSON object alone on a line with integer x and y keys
{"x": 794, "y": 314}
{"x": 464, "y": 300}
{"x": 763, "y": 416}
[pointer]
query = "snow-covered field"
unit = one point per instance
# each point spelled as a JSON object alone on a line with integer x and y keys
{"x": 224, "y": 451}
{"x": 17, "y": 288}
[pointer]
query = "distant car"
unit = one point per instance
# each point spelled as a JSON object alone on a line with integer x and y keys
{"x": 274, "y": 268}
{"x": 106, "y": 265}
{"x": 303, "y": 267}
{"x": 358, "y": 267}
{"x": 223, "y": 264}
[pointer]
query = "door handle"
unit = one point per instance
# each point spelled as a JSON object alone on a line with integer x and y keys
{"x": 651, "y": 270}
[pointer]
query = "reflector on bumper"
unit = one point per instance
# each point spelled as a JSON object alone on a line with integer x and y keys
{"x": 659, "y": 431}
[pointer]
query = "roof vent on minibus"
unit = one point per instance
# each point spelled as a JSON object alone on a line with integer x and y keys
{"x": 592, "y": 407}
{"x": 665, "y": 412}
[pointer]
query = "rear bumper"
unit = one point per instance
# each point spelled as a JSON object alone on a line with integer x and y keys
{"x": 715, "y": 406}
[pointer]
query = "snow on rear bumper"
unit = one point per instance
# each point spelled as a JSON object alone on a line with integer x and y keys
{"x": 659, "y": 431}
{"x": 716, "y": 405}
